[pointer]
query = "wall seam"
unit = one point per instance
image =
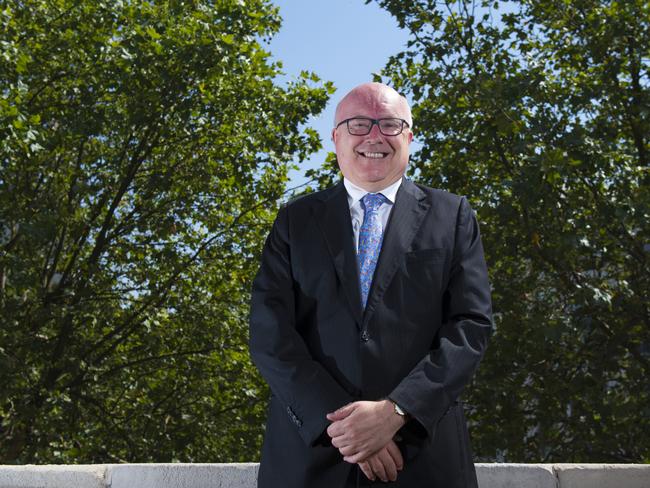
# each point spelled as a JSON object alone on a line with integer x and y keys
{"x": 556, "y": 474}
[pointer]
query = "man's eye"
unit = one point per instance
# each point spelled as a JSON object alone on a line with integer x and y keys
{"x": 359, "y": 123}
{"x": 389, "y": 124}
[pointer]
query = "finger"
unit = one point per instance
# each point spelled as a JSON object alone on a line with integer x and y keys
{"x": 347, "y": 451}
{"x": 341, "y": 413}
{"x": 357, "y": 457}
{"x": 338, "y": 442}
{"x": 335, "y": 430}
{"x": 365, "y": 468}
{"x": 388, "y": 463}
{"x": 378, "y": 468}
{"x": 396, "y": 454}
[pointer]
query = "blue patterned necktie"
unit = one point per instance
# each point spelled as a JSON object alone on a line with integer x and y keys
{"x": 370, "y": 237}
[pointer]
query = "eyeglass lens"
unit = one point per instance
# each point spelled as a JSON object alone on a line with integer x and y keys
{"x": 388, "y": 127}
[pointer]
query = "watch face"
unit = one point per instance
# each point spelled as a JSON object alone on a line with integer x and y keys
{"x": 398, "y": 410}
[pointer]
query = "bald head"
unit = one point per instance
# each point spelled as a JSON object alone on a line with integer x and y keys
{"x": 375, "y": 96}
{"x": 373, "y": 160}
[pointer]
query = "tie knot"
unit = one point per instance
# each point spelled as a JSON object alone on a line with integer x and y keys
{"x": 372, "y": 201}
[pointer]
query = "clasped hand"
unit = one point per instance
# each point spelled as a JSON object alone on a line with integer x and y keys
{"x": 363, "y": 433}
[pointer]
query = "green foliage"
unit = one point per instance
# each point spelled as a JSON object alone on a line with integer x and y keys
{"x": 540, "y": 112}
{"x": 325, "y": 176}
{"x": 143, "y": 148}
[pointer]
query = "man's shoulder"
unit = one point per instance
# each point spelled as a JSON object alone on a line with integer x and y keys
{"x": 420, "y": 191}
{"x": 436, "y": 195}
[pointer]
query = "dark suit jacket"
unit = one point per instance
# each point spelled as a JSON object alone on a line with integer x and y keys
{"x": 418, "y": 342}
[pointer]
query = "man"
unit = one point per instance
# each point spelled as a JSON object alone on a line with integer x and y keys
{"x": 369, "y": 314}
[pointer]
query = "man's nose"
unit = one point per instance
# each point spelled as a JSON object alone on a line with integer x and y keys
{"x": 375, "y": 134}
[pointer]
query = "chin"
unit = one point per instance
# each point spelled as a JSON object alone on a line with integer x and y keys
{"x": 373, "y": 178}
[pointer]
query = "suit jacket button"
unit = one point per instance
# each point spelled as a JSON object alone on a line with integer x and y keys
{"x": 365, "y": 337}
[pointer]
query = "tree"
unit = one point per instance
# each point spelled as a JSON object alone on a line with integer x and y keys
{"x": 143, "y": 148}
{"x": 540, "y": 113}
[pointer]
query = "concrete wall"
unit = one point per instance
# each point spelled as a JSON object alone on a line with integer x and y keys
{"x": 244, "y": 476}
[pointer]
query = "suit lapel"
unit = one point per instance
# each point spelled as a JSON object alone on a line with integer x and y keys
{"x": 405, "y": 219}
{"x": 333, "y": 218}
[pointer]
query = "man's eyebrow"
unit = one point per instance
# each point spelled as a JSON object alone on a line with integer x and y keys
{"x": 378, "y": 118}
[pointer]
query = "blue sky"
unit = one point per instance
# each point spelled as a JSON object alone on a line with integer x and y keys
{"x": 343, "y": 41}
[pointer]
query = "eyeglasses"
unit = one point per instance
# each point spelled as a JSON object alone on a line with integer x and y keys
{"x": 361, "y": 126}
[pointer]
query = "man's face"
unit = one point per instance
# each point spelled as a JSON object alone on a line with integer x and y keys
{"x": 373, "y": 161}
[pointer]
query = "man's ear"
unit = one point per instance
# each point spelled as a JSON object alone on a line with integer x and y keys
{"x": 334, "y": 134}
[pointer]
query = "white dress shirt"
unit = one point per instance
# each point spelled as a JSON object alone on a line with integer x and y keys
{"x": 355, "y": 194}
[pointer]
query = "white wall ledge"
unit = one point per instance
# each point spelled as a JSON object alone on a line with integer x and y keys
{"x": 244, "y": 475}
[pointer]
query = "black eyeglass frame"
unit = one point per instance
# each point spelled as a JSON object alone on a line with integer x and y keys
{"x": 373, "y": 122}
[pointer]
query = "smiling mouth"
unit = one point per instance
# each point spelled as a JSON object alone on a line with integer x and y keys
{"x": 373, "y": 155}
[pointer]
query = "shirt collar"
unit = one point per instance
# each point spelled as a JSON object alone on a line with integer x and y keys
{"x": 356, "y": 193}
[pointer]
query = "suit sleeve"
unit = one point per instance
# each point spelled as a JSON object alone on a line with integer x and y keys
{"x": 435, "y": 383}
{"x": 306, "y": 389}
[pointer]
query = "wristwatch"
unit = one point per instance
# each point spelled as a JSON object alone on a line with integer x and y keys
{"x": 398, "y": 410}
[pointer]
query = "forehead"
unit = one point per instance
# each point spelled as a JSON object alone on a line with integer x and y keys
{"x": 375, "y": 104}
